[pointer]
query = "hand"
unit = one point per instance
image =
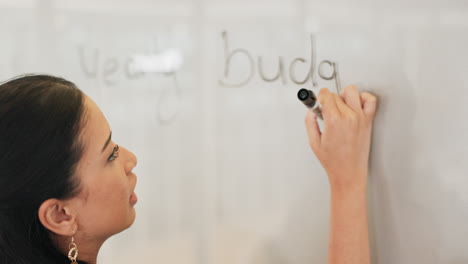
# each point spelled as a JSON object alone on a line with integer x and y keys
{"x": 343, "y": 147}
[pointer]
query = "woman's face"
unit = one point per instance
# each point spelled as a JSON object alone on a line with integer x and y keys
{"x": 105, "y": 205}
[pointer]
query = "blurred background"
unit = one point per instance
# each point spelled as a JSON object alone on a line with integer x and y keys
{"x": 204, "y": 93}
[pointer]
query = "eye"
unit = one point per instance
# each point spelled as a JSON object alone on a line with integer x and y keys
{"x": 115, "y": 153}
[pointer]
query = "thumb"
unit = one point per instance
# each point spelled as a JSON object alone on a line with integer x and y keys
{"x": 369, "y": 104}
{"x": 313, "y": 131}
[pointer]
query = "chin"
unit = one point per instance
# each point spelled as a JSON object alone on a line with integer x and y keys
{"x": 132, "y": 217}
{"x": 128, "y": 223}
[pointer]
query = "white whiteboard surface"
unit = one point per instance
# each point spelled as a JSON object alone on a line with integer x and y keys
{"x": 225, "y": 173}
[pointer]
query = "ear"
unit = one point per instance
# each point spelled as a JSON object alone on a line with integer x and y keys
{"x": 58, "y": 217}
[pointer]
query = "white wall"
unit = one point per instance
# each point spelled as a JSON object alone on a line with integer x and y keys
{"x": 225, "y": 173}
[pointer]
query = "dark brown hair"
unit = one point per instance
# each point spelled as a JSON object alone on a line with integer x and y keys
{"x": 41, "y": 117}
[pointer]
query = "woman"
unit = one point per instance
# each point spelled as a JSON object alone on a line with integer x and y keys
{"x": 65, "y": 187}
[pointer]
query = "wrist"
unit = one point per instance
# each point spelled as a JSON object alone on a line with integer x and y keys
{"x": 355, "y": 188}
{"x": 351, "y": 182}
{"x": 355, "y": 192}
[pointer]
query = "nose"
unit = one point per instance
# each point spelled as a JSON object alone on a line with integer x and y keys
{"x": 131, "y": 161}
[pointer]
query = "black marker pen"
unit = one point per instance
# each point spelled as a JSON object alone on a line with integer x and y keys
{"x": 310, "y": 100}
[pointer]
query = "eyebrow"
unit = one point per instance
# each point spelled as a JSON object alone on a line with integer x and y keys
{"x": 107, "y": 142}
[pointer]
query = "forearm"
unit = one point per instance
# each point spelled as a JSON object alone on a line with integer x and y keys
{"x": 349, "y": 238}
{"x": 343, "y": 148}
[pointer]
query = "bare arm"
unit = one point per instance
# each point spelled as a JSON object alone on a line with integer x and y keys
{"x": 343, "y": 150}
{"x": 348, "y": 241}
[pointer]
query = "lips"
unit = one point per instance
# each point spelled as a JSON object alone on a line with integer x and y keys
{"x": 133, "y": 198}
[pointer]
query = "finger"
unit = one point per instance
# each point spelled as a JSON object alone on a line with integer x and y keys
{"x": 341, "y": 105}
{"x": 328, "y": 103}
{"x": 351, "y": 97}
{"x": 369, "y": 104}
{"x": 313, "y": 131}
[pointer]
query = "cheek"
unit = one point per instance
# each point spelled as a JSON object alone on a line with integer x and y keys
{"x": 108, "y": 208}
{"x": 112, "y": 194}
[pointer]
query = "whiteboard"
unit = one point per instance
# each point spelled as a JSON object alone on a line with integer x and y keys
{"x": 204, "y": 93}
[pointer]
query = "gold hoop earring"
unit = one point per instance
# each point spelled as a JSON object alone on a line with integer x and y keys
{"x": 73, "y": 251}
